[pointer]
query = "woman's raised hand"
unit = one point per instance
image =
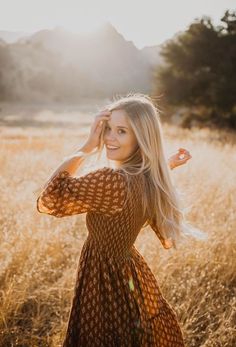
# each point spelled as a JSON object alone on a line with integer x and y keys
{"x": 96, "y": 130}
{"x": 180, "y": 158}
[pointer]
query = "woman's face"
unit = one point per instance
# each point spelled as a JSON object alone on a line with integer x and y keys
{"x": 118, "y": 133}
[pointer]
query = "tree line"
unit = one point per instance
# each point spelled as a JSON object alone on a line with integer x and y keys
{"x": 200, "y": 71}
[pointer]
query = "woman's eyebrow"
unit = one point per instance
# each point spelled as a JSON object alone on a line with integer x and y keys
{"x": 119, "y": 126}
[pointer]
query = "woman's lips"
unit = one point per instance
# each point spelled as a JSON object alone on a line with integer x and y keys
{"x": 112, "y": 149}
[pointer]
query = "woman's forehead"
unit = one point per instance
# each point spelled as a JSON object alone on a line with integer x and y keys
{"x": 119, "y": 118}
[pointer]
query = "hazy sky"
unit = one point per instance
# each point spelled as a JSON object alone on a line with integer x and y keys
{"x": 146, "y": 23}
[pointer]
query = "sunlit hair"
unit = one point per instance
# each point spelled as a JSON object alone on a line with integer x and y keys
{"x": 160, "y": 199}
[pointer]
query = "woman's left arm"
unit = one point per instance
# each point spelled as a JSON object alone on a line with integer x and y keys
{"x": 180, "y": 158}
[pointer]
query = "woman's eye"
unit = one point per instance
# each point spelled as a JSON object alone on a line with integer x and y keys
{"x": 108, "y": 128}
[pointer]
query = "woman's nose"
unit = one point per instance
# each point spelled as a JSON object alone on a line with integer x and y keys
{"x": 110, "y": 137}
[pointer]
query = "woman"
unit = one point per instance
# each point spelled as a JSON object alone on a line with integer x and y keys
{"x": 117, "y": 300}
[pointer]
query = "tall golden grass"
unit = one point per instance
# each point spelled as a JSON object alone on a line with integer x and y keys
{"x": 40, "y": 253}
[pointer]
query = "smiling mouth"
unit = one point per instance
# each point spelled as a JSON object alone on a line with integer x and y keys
{"x": 112, "y": 149}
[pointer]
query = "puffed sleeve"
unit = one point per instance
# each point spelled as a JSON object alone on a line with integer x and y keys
{"x": 166, "y": 243}
{"x": 102, "y": 191}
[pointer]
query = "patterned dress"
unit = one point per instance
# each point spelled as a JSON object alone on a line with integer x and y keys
{"x": 117, "y": 301}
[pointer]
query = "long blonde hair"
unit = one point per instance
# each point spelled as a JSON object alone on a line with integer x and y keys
{"x": 160, "y": 199}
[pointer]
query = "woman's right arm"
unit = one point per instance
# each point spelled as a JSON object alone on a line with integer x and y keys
{"x": 74, "y": 161}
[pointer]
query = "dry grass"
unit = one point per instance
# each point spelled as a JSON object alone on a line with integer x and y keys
{"x": 39, "y": 253}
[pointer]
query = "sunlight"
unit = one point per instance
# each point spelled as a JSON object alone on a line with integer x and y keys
{"x": 144, "y": 23}
{"x": 84, "y": 25}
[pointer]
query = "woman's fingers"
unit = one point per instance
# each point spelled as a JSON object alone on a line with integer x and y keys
{"x": 100, "y": 118}
{"x": 181, "y": 157}
{"x": 96, "y": 128}
{"x": 100, "y": 124}
{"x": 183, "y": 160}
{"x": 102, "y": 113}
{"x": 185, "y": 153}
{"x": 183, "y": 150}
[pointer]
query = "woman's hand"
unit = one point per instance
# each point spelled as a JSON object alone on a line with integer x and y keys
{"x": 179, "y": 158}
{"x": 96, "y": 130}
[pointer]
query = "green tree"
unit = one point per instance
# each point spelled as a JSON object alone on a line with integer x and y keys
{"x": 200, "y": 69}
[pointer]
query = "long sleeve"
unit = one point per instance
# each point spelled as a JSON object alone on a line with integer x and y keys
{"x": 101, "y": 191}
{"x": 166, "y": 243}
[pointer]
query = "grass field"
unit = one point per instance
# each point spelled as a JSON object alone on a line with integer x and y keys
{"x": 40, "y": 253}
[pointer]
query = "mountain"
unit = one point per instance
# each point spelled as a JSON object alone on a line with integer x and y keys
{"x": 69, "y": 65}
{"x": 12, "y": 36}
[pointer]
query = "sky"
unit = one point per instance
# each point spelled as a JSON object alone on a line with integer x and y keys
{"x": 146, "y": 23}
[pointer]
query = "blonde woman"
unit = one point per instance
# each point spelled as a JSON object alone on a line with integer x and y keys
{"x": 117, "y": 300}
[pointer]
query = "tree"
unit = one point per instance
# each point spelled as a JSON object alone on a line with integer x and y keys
{"x": 200, "y": 69}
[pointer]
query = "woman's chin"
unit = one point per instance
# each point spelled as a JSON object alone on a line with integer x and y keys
{"x": 113, "y": 157}
{"x": 111, "y": 154}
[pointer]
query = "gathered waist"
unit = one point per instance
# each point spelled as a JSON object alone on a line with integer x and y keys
{"x": 110, "y": 253}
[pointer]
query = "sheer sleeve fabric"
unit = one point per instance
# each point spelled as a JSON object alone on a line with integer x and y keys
{"x": 166, "y": 243}
{"x": 102, "y": 191}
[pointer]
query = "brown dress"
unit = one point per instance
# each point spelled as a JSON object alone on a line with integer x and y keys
{"x": 117, "y": 300}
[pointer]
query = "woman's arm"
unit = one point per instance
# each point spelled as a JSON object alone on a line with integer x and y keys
{"x": 171, "y": 164}
{"x": 180, "y": 158}
{"x": 74, "y": 161}
{"x": 70, "y": 163}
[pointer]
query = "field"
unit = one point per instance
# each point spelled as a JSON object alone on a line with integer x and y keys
{"x": 40, "y": 253}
